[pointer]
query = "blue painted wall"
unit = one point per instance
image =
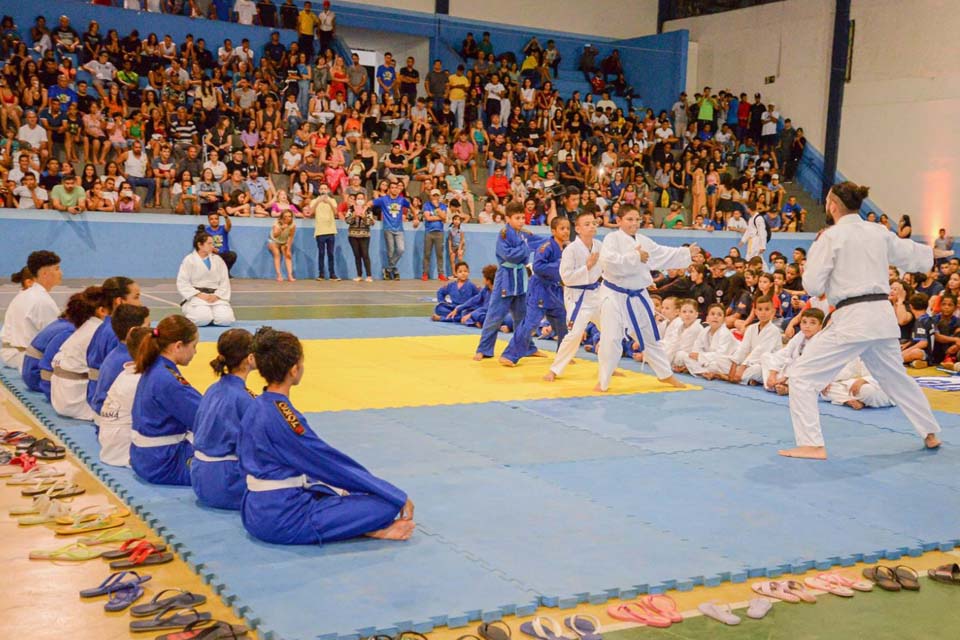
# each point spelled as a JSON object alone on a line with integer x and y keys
{"x": 100, "y": 245}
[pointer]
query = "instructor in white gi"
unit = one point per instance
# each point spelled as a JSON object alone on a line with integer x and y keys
{"x": 848, "y": 263}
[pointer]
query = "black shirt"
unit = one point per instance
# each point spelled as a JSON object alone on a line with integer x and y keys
{"x": 409, "y": 87}
{"x": 274, "y": 51}
{"x": 288, "y": 16}
{"x": 267, "y": 12}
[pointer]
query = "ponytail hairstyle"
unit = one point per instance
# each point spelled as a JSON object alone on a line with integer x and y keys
{"x": 233, "y": 347}
{"x": 850, "y": 194}
{"x": 116, "y": 287}
{"x": 168, "y": 331}
{"x": 96, "y": 297}
{"x": 200, "y": 237}
{"x": 79, "y": 309}
{"x": 136, "y": 337}
{"x": 24, "y": 278}
{"x": 276, "y": 352}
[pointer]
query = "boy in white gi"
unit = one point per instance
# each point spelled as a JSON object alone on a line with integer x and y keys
{"x": 31, "y": 309}
{"x": 626, "y": 259}
{"x": 848, "y": 263}
{"x": 580, "y": 272}
{"x": 714, "y": 342}
{"x": 755, "y": 237}
{"x": 774, "y": 364}
{"x": 682, "y": 333}
{"x": 743, "y": 367}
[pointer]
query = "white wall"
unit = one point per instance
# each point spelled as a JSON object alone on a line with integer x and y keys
{"x": 611, "y": 18}
{"x": 426, "y": 6}
{"x": 791, "y": 40}
{"x": 398, "y": 44}
{"x": 900, "y": 132}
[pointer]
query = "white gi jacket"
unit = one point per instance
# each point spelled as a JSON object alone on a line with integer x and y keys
{"x": 116, "y": 418}
{"x": 29, "y": 312}
{"x": 68, "y": 395}
{"x": 194, "y": 275}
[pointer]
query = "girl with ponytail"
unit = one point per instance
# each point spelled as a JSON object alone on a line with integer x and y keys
{"x": 68, "y": 386}
{"x": 116, "y": 412}
{"x": 165, "y": 405}
{"x": 215, "y": 473}
{"x": 116, "y": 291}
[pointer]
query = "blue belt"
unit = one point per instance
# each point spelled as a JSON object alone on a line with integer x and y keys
{"x": 583, "y": 292}
{"x": 642, "y": 295}
{"x": 519, "y": 276}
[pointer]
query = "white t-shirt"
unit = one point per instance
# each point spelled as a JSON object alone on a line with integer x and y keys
{"x": 736, "y": 224}
{"x": 16, "y": 175}
{"x": 245, "y": 10}
{"x": 26, "y": 198}
{"x": 35, "y": 137}
{"x": 101, "y": 70}
{"x": 769, "y": 128}
{"x": 494, "y": 91}
{"x": 663, "y": 134}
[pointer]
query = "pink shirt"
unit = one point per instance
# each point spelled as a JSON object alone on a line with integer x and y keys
{"x": 463, "y": 150}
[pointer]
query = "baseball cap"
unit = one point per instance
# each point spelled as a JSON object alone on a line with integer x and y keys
{"x": 435, "y": 192}
{"x": 775, "y": 176}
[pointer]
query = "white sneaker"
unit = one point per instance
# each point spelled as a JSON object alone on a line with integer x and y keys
{"x": 357, "y": 279}
{"x": 369, "y": 279}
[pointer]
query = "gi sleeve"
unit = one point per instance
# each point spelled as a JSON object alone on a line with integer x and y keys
{"x": 618, "y": 256}
{"x": 546, "y": 263}
{"x": 186, "y": 290}
{"x": 908, "y": 255}
{"x": 181, "y": 400}
{"x": 663, "y": 258}
{"x": 570, "y": 272}
{"x": 819, "y": 267}
{"x": 223, "y": 287}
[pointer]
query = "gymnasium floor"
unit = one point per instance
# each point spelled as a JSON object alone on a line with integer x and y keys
{"x": 530, "y": 497}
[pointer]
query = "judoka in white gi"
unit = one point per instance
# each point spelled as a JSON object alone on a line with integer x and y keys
{"x": 68, "y": 386}
{"x": 714, "y": 342}
{"x": 116, "y": 414}
{"x": 31, "y": 309}
{"x": 626, "y": 259}
{"x": 744, "y": 365}
{"x": 848, "y": 263}
{"x": 856, "y": 388}
{"x": 755, "y": 237}
{"x": 204, "y": 284}
{"x": 775, "y": 363}
{"x": 580, "y": 272}
{"x": 682, "y": 333}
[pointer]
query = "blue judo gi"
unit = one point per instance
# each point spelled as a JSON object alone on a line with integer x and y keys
{"x": 509, "y": 286}
{"x": 451, "y": 296}
{"x": 164, "y": 410}
{"x": 49, "y": 353}
{"x": 215, "y": 471}
{"x": 104, "y": 341}
{"x": 545, "y": 298}
{"x": 475, "y": 307}
{"x": 110, "y": 368}
{"x": 56, "y": 332}
{"x": 277, "y": 444}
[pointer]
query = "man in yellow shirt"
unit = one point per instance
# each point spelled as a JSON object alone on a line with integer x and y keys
{"x": 306, "y": 24}
{"x": 457, "y": 86}
{"x": 324, "y": 209}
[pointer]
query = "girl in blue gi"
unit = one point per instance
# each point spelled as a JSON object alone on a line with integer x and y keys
{"x": 165, "y": 406}
{"x": 545, "y": 297}
{"x": 509, "y": 295}
{"x": 453, "y": 294}
{"x": 48, "y": 342}
{"x": 300, "y": 490}
{"x": 118, "y": 290}
{"x": 125, "y": 317}
{"x": 215, "y": 472}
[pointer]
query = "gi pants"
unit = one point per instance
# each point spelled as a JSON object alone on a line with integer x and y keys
{"x": 629, "y": 310}
{"x": 218, "y": 484}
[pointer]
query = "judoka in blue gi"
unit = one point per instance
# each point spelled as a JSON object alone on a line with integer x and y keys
{"x": 118, "y": 290}
{"x": 125, "y": 317}
{"x": 165, "y": 407}
{"x": 215, "y": 472}
{"x": 474, "y": 311}
{"x": 48, "y": 342}
{"x": 453, "y": 294}
{"x": 509, "y": 295}
{"x": 544, "y": 298}
{"x": 300, "y": 490}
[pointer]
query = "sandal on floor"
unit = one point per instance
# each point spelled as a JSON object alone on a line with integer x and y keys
{"x": 773, "y": 589}
{"x": 907, "y": 577}
{"x": 75, "y": 552}
{"x": 58, "y": 490}
{"x": 108, "y": 537}
{"x": 34, "y": 475}
{"x": 181, "y": 600}
{"x": 45, "y": 449}
{"x": 796, "y": 588}
{"x": 120, "y": 599}
{"x": 496, "y": 630}
{"x": 719, "y": 612}
{"x": 16, "y": 438}
{"x": 823, "y": 582}
{"x": 51, "y": 510}
{"x": 143, "y": 556}
{"x": 844, "y": 581}
{"x": 633, "y": 612}
{"x": 21, "y": 463}
{"x": 883, "y": 576}
{"x": 99, "y": 524}
{"x": 134, "y": 545}
{"x": 543, "y": 628}
{"x": 93, "y": 512}
{"x": 663, "y": 606}
{"x": 947, "y": 574}
{"x": 118, "y": 580}
{"x": 215, "y": 630}
{"x": 170, "y": 618}
{"x": 587, "y": 627}
{"x": 757, "y": 608}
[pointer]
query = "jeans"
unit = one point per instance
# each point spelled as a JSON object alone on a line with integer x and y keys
{"x": 394, "y": 243}
{"x": 325, "y": 243}
{"x": 458, "y": 106}
{"x": 433, "y": 242}
{"x": 148, "y": 183}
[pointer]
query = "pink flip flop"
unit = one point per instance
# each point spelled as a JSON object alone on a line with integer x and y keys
{"x": 634, "y": 612}
{"x": 773, "y": 589}
{"x": 662, "y": 605}
{"x": 825, "y": 582}
{"x": 844, "y": 581}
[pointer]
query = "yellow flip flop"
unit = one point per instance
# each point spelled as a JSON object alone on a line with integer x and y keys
{"x": 101, "y": 523}
{"x": 115, "y": 535}
{"x": 75, "y": 552}
{"x": 93, "y": 512}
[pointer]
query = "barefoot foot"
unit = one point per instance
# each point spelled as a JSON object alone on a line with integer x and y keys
{"x": 619, "y": 374}
{"x": 673, "y": 382}
{"x": 598, "y": 389}
{"x": 507, "y": 362}
{"x": 399, "y": 530}
{"x": 539, "y": 354}
{"x": 435, "y": 318}
{"x": 550, "y": 377}
{"x": 810, "y": 453}
{"x": 854, "y": 404}
{"x": 478, "y": 357}
{"x": 931, "y": 441}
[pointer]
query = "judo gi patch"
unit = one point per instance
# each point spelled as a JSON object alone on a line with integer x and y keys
{"x": 179, "y": 377}
{"x": 290, "y": 417}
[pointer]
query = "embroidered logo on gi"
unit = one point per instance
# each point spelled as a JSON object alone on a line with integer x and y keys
{"x": 543, "y": 248}
{"x": 290, "y": 417}
{"x": 179, "y": 377}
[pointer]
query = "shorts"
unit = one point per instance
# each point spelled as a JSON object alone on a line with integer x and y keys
{"x": 711, "y": 189}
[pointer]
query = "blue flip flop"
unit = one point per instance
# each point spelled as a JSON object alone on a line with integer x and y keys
{"x": 113, "y": 582}
{"x": 122, "y": 598}
{"x": 543, "y": 628}
{"x": 587, "y": 627}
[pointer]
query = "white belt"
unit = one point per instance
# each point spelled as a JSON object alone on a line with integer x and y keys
{"x": 94, "y": 374}
{"x": 149, "y": 442}
{"x": 200, "y": 455}
{"x": 296, "y": 482}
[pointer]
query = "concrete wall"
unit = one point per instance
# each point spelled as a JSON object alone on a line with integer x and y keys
{"x": 609, "y": 18}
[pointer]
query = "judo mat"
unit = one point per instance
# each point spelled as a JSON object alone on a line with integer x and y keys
{"x": 557, "y": 501}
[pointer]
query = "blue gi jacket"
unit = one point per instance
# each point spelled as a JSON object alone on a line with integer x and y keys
{"x": 513, "y": 250}
{"x": 110, "y": 368}
{"x": 49, "y": 353}
{"x": 546, "y": 287}
{"x": 454, "y": 295}
{"x": 104, "y": 341}
{"x": 56, "y": 332}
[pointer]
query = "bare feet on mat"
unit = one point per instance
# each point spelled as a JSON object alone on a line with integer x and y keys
{"x": 619, "y": 374}
{"x": 810, "y": 453}
{"x": 399, "y": 530}
{"x": 507, "y": 362}
{"x": 855, "y": 404}
{"x": 598, "y": 389}
{"x": 931, "y": 441}
{"x": 478, "y": 357}
{"x": 435, "y": 318}
{"x": 673, "y": 382}
{"x": 573, "y": 361}
{"x": 550, "y": 377}
{"x": 782, "y": 390}
{"x": 539, "y": 354}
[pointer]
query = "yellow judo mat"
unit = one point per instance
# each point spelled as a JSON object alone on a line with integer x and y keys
{"x": 381, "y": 373}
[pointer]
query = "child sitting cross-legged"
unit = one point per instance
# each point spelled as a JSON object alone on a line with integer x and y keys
{"x": 453, "y": 294}
{"x": 919, "y": 349}
{"x": 773, "y": 365}
{"x": 743, "y": 366}
{"x": 714, "y": 342}
{"x": 474, "y": 311}
{"x": 683, "y": 333}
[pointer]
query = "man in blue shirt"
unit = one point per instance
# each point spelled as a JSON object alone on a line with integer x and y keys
{"x": 393, "y": 208}
{"x": 221, "y": 237}
{"x": 434, "y": 217}
{"x": 387, "y": 76}
{"x": 793, "y": 214}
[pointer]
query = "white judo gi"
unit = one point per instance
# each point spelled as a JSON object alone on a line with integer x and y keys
{"x": 870, "y": 394}
{"x": 779, "y": 360}
{"x": 195, "y": 278}
{"x": 116, "y": 418}
{"x": 582, "y": 302}
{"x": 755, "y": 237}
{"x": 626, "y": 304}
{"x": 709, "y": 348}
{"x": 679, "y": 340}
{"x": 68, "y": 386}
{"x": 847, "y": 261}
{"x": 750, "y": 353}
{"x": 29, "y": 312}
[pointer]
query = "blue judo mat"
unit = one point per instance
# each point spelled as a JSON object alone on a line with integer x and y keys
{"x": 562, "y": 501}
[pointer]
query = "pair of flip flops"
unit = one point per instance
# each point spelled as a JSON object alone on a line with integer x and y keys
{"x": 143, "y": 554}
{"x": 17, "y": 438}
{"x": 947, "y": 574}
{"x": 118, "y": 580}
{"x": 757, "y": 608}
{"x": 208, "y": 630}
{"x": 19, "y": 464}
{"x": 44, "y": 511}
{"x": 786, "y": 590}
{"x": 837, "y": 584}
{"x": 90, "y": 519}
{"x": 653, "y": 611}
{"x": 42, "y": 474}
{"x": 133, "y": 546}
{"x": 893, "y": 579}
{"x": 43, "y": 449}
{"x": 57, "y": 491}
{"x": 171, "y": 617}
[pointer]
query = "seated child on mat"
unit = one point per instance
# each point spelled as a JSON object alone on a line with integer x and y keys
{"x": 743, "y": 367}
{"x": 774, "y": 364}
{"x": 474, "y": 311}
{"x": 453, "y": 294}
{"x": 683, "y": 333}
{"x": 714, "y": 342}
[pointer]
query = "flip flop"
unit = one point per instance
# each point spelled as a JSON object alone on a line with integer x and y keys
{"x": 170, "y": 618}
{"x": 120, "y": 599}
{"x": 824, "y": 583}
{"x": 797, "y": 589}
{"x": 633, "y": 612}
{"x": 219, "y": 630}
{"x": 182, "y": 600}
{"x": 35, "y": 474}
{"x": 587, "y": 627}
{"x": 663, "y": 606}
{"x": 93, "y": 512}
{"x": 75, "y": 552}
{"x": 133, "y": 546}
{"x": 51, "y": 510}
{"x": 58, "y": 490}
{"x": 5, "y": 457}
{"x": 21, "y": 463}
{"x": 144, "y": 556}
{"x": 39, "y": 504}
{"x": 884, "y": 577}
{"x": 757, "y": 608}
{"x": 104, "y": 522}
{"x": 773, "y": 589}
{"x": 113, "y": 582}
{"x": 907, "y": 577}
{"x": 45, "y": 449}
{"x": 945, "y": 573}
{"x": 16, "y": 437}
{"x": 107, "y": 537}
{"x": 719, "y": 612}
{"x": 844, "y": 581}
{"x": 543, "y": 628}
{"x": 496, "y": 630}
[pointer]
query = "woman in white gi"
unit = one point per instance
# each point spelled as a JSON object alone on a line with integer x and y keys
{"x": 755, "y": 237}
{"x": 116, "y": 414}
{"x": 68, "y": 386}
{"x": 849, "y": 263}
{"x": 31, "y": 309}
{"x": 204, "y": 284}
{"x": 626, "y": 259}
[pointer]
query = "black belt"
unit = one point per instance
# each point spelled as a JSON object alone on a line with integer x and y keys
{"x": 205, "y": 290}
{"x": 870, "y": 297}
